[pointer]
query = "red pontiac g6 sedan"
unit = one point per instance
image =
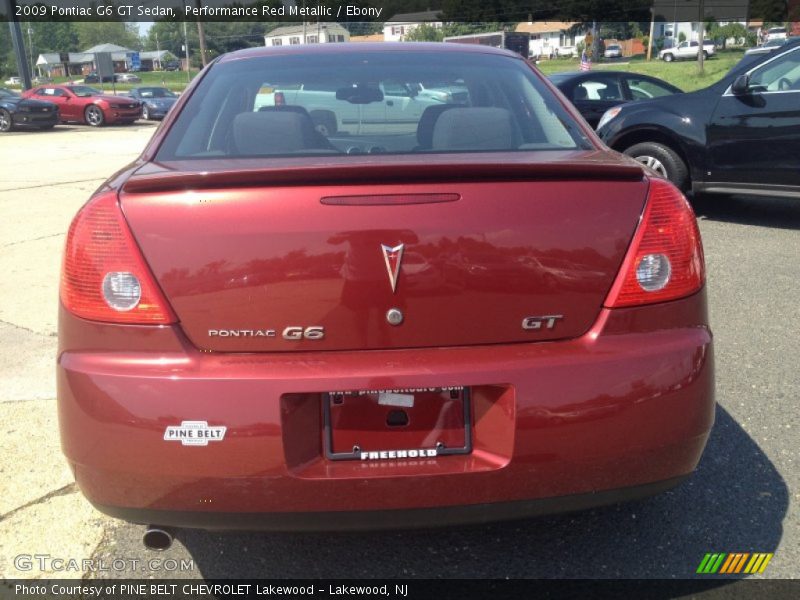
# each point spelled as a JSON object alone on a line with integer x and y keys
{"x": 320, "y": 300}
{"x": 84, "y": 104}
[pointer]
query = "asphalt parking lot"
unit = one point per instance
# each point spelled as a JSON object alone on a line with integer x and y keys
{"x": 743, "y": 497}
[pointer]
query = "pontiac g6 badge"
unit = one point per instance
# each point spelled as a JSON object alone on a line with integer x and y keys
{"x": 392, "y": 257}
{"x": 194, "y": 433}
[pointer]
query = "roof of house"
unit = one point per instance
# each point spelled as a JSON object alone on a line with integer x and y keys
{"x": 375, "y": 37}
{"x": 544, "y": 26}
{"x": 106, "y": 48}
{"x": 417, "y": 17}
{"x": 311, "y": 29}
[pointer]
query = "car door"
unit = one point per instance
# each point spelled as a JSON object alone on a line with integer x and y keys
{"x": 59, "y": 97}
{"x": 403, "y": 107}
{"x": 754, "y": 138}
{"x": 593, "y": 95}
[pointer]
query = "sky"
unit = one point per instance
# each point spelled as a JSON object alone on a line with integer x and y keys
{"x": 144, "y": 27}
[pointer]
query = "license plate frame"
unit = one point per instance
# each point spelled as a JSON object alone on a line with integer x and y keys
{"x": 356, "y": 454}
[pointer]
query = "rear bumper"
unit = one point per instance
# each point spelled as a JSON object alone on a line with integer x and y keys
{"x": 558, "y": 425}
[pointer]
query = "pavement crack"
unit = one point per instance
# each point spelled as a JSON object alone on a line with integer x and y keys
{"x": 62, "y": 491}
{"x": 45, "y": 335}
{"x": 41, "y": 185}
{"x": 44, "y": 237}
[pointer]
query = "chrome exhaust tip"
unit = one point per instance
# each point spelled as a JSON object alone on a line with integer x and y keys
{"x": 157, "y": 538}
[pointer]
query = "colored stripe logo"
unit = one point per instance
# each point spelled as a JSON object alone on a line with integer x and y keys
{"x": 722, "y": 563}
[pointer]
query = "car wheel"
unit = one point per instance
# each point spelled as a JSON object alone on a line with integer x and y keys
{"x": 705, "y": 54}
{"x": 668, "y": 57}
{"x": 5, "y": 121}
{"x": 324, "y": 122}
{"x": 661, "y": 159}
{"x": 94, "y": 116}
{"x": 145, "y": 113}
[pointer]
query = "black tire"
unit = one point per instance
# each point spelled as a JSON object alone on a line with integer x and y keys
{"x": 94, "y": 116}
{"x": 662, "y": 159}
{"x": 324, "y": 122}
{"x": 145, "y": 113}
{"x": 705, "y": 54}
{"x": 668, "y": 57}
{"x": 6, "y": 123}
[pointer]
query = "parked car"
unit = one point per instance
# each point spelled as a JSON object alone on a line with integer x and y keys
{"x": 776, "y": 33}
{"x": 739, "y": 135}
{"x": 172, "y": 65}
{"x": 84, "y": 104}
{"x": 127, "y": 78}
{"x": 15, "y": 81}
{"x": 686, "y": 50}
{"x": 156, "y": 101}
{"x": 237, "y": 323}
{"x": 766, "y": 47}
{"x": 613, "y": 51}
{"x": 93, "y": 77}
{"x": 566, "y": 51}
{"x": 41, "y": 79}
{"x": 594, "y": 92}
{"x": 16, "y": 111}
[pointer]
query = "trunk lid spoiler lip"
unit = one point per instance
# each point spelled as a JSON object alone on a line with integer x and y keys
{"x": 558, "y": 165}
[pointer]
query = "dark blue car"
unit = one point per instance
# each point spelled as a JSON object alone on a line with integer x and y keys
{"x": 156, "y": 101}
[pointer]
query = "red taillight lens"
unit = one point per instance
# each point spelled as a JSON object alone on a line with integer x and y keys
{"x": 280, "y": 99}
{"x": 104, "y": 277}
{"x": 665, "y": 260}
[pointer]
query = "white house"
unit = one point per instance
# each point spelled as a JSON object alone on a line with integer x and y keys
{"x": 310, "y": 33}
{"x": 80, "y": 63}
{"x": 399, "y": 26}
{"x": 548, "y": 36}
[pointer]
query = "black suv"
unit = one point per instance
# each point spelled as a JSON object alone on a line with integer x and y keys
{"x": 739, "y": 135}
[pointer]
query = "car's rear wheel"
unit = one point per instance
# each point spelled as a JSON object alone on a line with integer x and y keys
{"x": 705, "y": 54}
{"x": 661, "y": 159}
{"x": 324, "y": 122}
{"x": 94, "y": 116}
{"x": 5, "y": 121}
{"x": 668, "y": 57}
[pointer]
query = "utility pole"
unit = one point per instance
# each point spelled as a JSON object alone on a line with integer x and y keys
{"x": 201, "y": 33}
{"x": 652, "y": 31}
{"x": 700, "y": 50}
{"x": 186, "y": 50}
{"x": 19, "y": 45}
{"x": 30, "y": 48}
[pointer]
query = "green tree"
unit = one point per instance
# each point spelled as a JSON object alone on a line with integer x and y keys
{"x": 425, "y": 33}
{"x": 91, "y": 33}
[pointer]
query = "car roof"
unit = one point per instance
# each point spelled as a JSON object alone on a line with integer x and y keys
{"x": 367, "y": 47}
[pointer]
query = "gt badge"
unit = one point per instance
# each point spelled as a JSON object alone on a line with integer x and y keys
{"x": 194, "y": 433}
{"x": 392, "y": 257}
{"x": 543, "y": 322}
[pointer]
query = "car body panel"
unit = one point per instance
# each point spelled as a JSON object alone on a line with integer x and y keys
{"x": 116, "y": 109}
{"x": 26, "y": 112}
{"x": 727, "y": 141}
{"x": 623, "y": 400}
{"x": 601, "y": 90}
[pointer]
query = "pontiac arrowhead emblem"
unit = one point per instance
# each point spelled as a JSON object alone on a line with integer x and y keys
{"x": 393, "y": 257}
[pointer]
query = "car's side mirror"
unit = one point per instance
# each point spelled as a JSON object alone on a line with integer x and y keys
{"x": 741, "y": 85}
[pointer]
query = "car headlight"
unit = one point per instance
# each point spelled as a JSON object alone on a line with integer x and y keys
{"x": 608, "y": 115}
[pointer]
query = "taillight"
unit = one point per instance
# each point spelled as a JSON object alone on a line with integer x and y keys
{"x": 104, "y": 277}
{"x": 280, "y": 99}
{"x": 665, "y": 259}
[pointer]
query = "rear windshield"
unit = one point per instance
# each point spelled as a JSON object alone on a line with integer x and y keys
{"x": 370, "y": 103}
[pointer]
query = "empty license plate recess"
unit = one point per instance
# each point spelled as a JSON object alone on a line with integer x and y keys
{"x": 392, "y": 424}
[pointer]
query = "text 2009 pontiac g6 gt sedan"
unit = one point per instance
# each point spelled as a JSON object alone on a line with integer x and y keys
{"x": 474, "y": 311}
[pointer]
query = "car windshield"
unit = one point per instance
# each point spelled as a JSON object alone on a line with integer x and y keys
{"x": 83, "y": 91}
{"x": 370, "y": 102}
{"x": 155, "y": 92}
{"x": 6, "y": 93}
